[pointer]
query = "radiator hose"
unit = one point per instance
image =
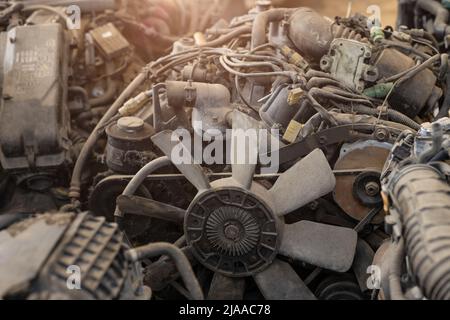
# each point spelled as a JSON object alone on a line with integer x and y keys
{"x": 421, "y": 195}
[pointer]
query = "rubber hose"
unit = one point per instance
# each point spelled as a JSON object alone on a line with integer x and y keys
{"x": 441, "y": 16}
{"x": 140, "y": 177}
{"x": 392, "y": 114}
{"x": 75, "y": 182}
{"x": 262, "y": 20}
{"x": 181, "y": 261}
{"x": 395, "y": 271}
{"x": 227, "y": 37}
{"x": 111, "y": 89}
{"x": 421, "y": 195}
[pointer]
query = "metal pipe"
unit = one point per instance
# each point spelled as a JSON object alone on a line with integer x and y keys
{"x": 85, "y": 5}
{"x": 261, "y": 22}
{"x": 111, "y": 88}
{"x": 227, "y": 37}
{"x": 395, "y": 270}
{"x": 438, "y": 139}
{"x": 139, "y": 178}
{"x": 181, "y": 261}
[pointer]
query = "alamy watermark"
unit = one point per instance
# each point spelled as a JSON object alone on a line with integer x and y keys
{"x": 374, "y": 18}
{"x": 374, "y": 280}
{"x": 73, "y": 20}
{"x": 73, "y": 281}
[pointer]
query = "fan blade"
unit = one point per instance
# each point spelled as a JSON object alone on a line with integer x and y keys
{"x": 244, "y": 146}
{"x": 322, "y": 245}
{"x": 226, "y": 288}
{"x": 281, "y": 282}
{"x": 306, "y": 181}
{"x": 150, "y": 208}
{"x": 167, "y": 141}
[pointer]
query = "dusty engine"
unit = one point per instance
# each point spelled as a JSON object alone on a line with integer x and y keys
{"x": 55, "y": 247}
{"x": 152, "y": 150}
{"x": 415, "y": 187}
{"x": 63, "y": 63}
{"x": 347, "y": 87}
{"x": 35, "y": 121}
{"x": 34, "y": 90}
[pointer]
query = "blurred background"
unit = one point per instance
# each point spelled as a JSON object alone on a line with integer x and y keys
{"x": 179, "y": 17}
{"x": 334, "y": 8}
{"x": 339, "y": 7}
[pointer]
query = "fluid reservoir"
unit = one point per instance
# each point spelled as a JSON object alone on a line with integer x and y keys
{"x": 129, "y": 145}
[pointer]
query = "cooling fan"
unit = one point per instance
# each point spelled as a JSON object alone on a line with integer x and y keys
{"x": 235, "y": 226}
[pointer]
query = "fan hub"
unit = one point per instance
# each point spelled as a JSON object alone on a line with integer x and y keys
{"x": 232, "y": 231}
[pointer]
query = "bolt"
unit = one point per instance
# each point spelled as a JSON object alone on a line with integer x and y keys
{"x": 381, "y": 135}
{"x": 314, "y": 205}
{"x": 372, "y": 189}
{"x": 232, "y": 232}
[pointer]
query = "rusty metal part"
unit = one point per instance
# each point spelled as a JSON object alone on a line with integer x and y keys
{"x": 335, "y": 135}
{"x": 414, "y": 94}
{"x": 162, "y": 272}
{"x": 311, "y": 33}
{"x": 149, "y": 208}
{"x": 180, "y": 259}
{"x": 369, "y": 158}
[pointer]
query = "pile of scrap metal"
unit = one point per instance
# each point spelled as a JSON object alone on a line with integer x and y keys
{"x": 336, "y": 99}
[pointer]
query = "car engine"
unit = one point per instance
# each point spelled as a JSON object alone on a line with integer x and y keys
{"x": 414, "y": 187}
{"x": 175, "y": 150}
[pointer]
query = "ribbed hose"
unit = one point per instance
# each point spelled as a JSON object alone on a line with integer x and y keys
{"x": 422, "y": 197}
